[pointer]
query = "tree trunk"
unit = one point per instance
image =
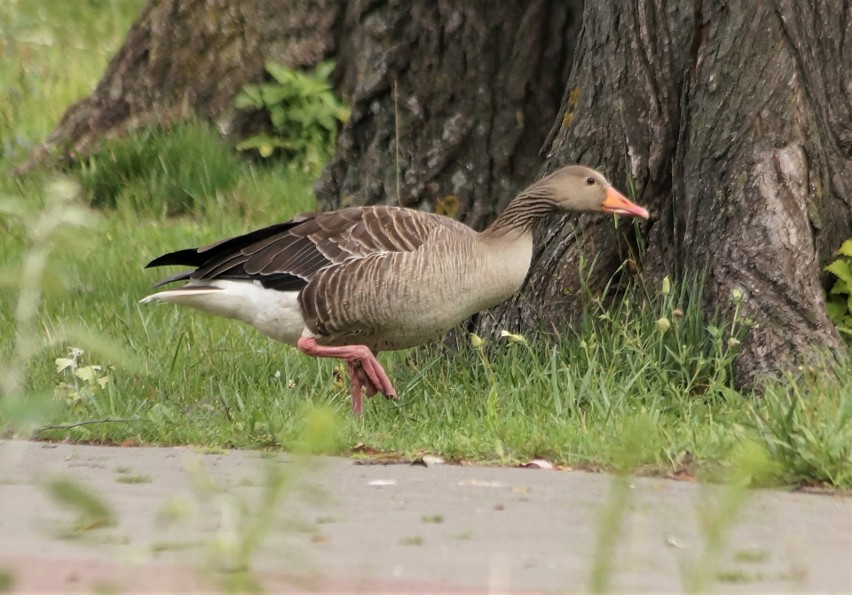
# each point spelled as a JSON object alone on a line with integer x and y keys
{"x": 451, "y": 102}
{"x": 763, "y": 172}
{"x": 185, "y": 58}
{"x": 731, "y": 121}
{"x": 620, "y": 114}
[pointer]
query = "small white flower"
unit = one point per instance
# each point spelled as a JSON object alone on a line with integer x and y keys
{"x": 513, "y": 337}
{"x": 737, "y": 295}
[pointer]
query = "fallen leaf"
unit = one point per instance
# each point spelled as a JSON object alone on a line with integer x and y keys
{"x": 363, "y": 448}
{"x": 427, "y": 461}
{"x": 538, "y": 464}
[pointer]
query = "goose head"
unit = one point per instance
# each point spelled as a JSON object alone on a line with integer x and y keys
{"x": 578, "y": 188}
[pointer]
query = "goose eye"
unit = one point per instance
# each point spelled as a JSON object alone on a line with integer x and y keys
{"x": 590, "y": 181}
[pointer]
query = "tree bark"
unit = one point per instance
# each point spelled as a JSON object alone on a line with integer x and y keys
{"x": 451, "y": 102}
{"x": 189, "y": 58}
{"x": 620, "y": 114}
{"x": 732, "y": 121}
{"x": 763, "y": 173}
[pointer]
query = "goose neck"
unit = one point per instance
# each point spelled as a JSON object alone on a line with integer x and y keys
{"x": 523, "y": 212}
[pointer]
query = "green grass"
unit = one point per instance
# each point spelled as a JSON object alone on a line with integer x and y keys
{"x": 168, "y": 376}
{"x": 52, "y": 53}
{"x": 182, "y": 377}
{"x": 189, "y": 170}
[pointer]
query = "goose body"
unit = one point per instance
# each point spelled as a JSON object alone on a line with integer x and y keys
{"x": 386, "y": 297}
{"x": 359, "y": 280}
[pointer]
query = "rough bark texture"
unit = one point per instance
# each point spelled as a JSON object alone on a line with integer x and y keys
{"x": 763, "y": 176}
{"x": 733, "y": 121}
{"x": 620, "y": 114}
{"x": 189, "y": 58}
{"x": 451, "y": 102}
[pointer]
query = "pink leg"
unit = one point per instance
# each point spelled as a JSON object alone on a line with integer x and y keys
{"x": 356, "y": 371}
{"x": 357, "y": 379}
{"x": 356, "y": 397}
{"x": 364, "y": 369}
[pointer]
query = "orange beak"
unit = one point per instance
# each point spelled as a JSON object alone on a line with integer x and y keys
{"x": 618, "y": 204}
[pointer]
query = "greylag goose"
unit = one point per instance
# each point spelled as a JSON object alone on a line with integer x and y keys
{"x": 350, "y": 283}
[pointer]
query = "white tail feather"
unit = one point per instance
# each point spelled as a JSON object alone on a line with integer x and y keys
{"x": 276, "y": 314}
{"x": 177, "y": 296}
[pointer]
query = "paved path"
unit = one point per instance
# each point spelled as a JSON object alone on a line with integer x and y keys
{"x": 348, "y": 527}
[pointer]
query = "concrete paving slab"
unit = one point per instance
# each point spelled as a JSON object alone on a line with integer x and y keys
{"x": 345, "y": 527}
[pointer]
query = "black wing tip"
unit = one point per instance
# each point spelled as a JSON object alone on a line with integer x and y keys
{"x": 198, "y": 257}
{"x": 183, "y": 276}
{"x": 188, "y": 257}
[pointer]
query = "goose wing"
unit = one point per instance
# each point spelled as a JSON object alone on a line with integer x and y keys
{"x": 286, "y": 256}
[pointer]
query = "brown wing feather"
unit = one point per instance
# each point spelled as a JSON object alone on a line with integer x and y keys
{"x": 340, "y": 303}
{"x": 287, "y": 256}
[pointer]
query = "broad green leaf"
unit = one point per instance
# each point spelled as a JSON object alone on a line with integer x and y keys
{"x": 327, "y": 121}
{"x": 845, "y": 248}
{"x": 88, "y": 373}
{"x": 63, "y": 363}
{"x": 840, "y": 287}
{"x": 248, "y": 97}
{"x": 324, "y": 70}
{"x": 303, "y": 113}
{"x": 273, "y": 94}
{"x": 836, "y": 311}
{"x": 278, "y": 117}
{"x": 313, "y": 88}
{"x": 840, "y": 269}
{"x": 279, "y": 72}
